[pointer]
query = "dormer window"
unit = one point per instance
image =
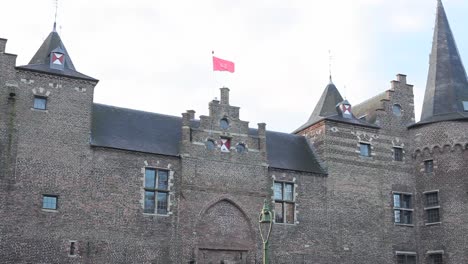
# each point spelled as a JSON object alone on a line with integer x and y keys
{"x": 345, "y": 108}
{"x": 40, "y": 103}
{"x": 57, "y": 59}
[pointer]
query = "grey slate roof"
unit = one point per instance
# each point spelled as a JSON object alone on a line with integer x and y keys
{"x": 41, "y": 60}
{"x": 326, "y": 109}
{"x": 134, "y": 130}
{"x": 447, "y": 84}
{"x": 369, "y": 107}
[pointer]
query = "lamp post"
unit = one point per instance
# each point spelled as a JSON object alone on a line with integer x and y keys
{"x": 265, "y": 220}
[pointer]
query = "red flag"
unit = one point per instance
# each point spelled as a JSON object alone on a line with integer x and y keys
{"x": 222, "y": 65}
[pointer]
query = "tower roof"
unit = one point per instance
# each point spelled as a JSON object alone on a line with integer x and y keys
{"x": 447, "y": 85}
{"x": 41, "y": 60}
{"x": 326, "y": 108}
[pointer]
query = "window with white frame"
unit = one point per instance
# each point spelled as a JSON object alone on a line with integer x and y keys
{"x": 156, "y": 191}
{"x": 284, "y": 202}
{"x": 402, "y": 208}
{"x": 406, "y": 258}
{"x": 432, "y": 207}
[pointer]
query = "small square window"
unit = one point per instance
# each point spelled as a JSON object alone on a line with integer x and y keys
{"x": 398, "y": 154}
{"x": 365, "y": 149}
{"x": 49, "y": 202}
{"x": 428, "y": 166}
{"x": 40, "y": 102}
{"x": 432, "y": 199}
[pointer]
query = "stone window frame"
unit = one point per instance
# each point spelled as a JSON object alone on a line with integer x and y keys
{"x": 402, "y": 153}
{"x": 431, "y": 207}
{"x": 42, "y": 94}
{"x": 428, "y": 169}
{"x": 72, "y": 248}
{"x": 56, "y": 203}
{"x": 432, "y": 254}
{"x": 405, "y": 255}
{"x": 169, "y": 189}
{"x": 369, "y": 149}
{"x": 282, "y": 201}
{"x": 409, "y": 209}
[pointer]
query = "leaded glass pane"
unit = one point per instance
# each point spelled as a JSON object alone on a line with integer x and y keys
{"x": 49, "y": 202}
{"x": 407, "y": 217}
{"x": 398, "y": 154}
{"x": 288, "y": 192}
{"x": 432, "y": 199}
{"x": 401, "y": 259}
{"x": 149, "y": 202}
{"x": 162, "y": 203}
{"x": 289, "y": 213}
{"x": 279, "y": 213}
{"x": 278, "y": 191}
{"x": 406, "y": 201}
{"x": 411, "y": 260}
{"x": 40, "y": 103}
{"x": 150, "y": 178}
{"x": 428, "y": 166}
{"x": 397, "y": 216}
{"x": 162, "y": 179}
{"x": 364, "y": 150}
{"x": 396, "y": 201}
{"x": 436, "y": 259}
{"x": 433, "y": 215}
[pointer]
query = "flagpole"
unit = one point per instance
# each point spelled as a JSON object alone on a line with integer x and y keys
{"x": 214, "y": 76}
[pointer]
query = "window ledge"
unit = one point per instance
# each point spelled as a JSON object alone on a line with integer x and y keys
{"x": 49, "y": 210}
{"x": 163, "y": 215}
{"x": 40, "y": 110}
{"x": 408, "y": 225}
{"x": 432, "y": 207}
{"x": 285, "y": 224}
{"x": 431, "y": 224}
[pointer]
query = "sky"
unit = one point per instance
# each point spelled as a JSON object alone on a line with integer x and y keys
{"x": 155, "y": 55}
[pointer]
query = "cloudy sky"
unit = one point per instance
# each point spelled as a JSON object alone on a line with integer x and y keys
{"x": 155, "y": 55}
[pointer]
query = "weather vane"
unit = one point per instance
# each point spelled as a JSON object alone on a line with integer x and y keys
{"x": 330, "y": 57}
{"x": 56, "y": 11}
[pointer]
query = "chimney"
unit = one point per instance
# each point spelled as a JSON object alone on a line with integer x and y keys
{"x": 3, "y": 45}
{"x": 191, "y": 114}
{"x": 262, "y": 137}
{"x": 401, "y": 78}
{"x": 185, "y": 127}
{"x": 225, "y": 95}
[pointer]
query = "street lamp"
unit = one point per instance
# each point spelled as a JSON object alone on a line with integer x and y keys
{"x": 265, "y": 224}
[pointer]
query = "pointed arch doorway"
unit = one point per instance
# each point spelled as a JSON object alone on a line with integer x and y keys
{"x": 225, "y": 235}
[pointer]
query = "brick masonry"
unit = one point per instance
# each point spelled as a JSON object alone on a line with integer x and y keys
{"x": 345, "y": 216}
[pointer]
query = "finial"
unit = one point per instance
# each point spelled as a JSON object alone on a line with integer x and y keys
{"x": 55, "y": 18}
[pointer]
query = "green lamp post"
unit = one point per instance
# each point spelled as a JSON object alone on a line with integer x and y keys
{"x": 265, "y": 224}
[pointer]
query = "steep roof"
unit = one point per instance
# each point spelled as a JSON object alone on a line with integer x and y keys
{"x": 134, "y": 130}
{"x": 326, "y": 109}
{"x": 369, "y": 107}
{"x": 40, "y": 62}
{"x": 447, "y": 84}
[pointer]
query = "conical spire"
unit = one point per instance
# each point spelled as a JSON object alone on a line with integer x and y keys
{"x": 53, "y": 58}
{"x": 326, "y": 106}
{"x": 447, "y": 85}
{"x": 51, "y": 43}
